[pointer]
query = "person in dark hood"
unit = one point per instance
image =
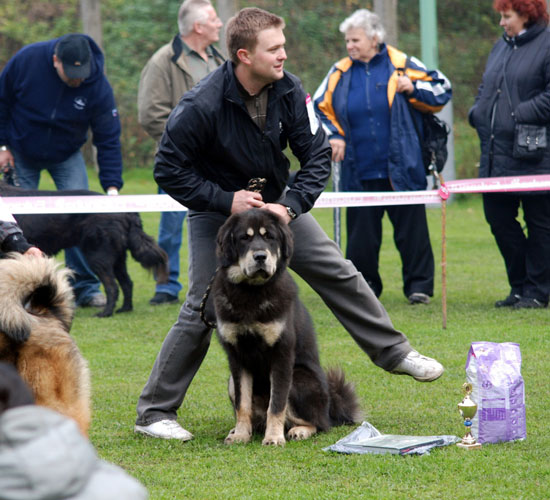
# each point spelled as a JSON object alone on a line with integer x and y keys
{"x": 516, "y": 90}
{"x": 51, "y": 94}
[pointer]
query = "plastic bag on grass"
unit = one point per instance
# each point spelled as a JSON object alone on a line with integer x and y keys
{"x": 367, "y": 439}
{"x": 494, "y": 370}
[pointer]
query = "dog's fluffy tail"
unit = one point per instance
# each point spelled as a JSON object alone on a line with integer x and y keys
{"x": 344, "y": 405}
{"x": 31, "y": 287}
{"x": 146, "y": 250}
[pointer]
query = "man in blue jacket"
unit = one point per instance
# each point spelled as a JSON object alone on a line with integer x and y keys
{"x": 51, "y": 93}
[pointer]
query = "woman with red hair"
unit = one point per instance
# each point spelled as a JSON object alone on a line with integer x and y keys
{"x": 516, "y": 90}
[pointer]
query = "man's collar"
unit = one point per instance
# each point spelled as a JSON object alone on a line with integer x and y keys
{"x": 188, "y": 50}
{"x": 244, "y": 93}
{"x": 279, "y": 87}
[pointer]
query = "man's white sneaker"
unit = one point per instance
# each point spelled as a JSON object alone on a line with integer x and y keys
{"x": 419, "y": 367}
{"x": 164, "y": 429}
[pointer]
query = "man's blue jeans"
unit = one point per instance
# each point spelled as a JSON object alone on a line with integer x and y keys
{"x": 68, "y": 174}
{"x": 170, "y": 238}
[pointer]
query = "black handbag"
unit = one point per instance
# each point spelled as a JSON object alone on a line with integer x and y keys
{"x": 529, "y": 140}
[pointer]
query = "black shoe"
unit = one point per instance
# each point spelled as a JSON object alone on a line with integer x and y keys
{"x": 418, "y": 298}
{"x": 509, "y": 301}
{"x": 529, "y": 303}
{"x": 163, "y": 298}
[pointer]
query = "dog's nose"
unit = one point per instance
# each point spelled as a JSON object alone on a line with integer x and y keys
{"x": 260, "y": 256}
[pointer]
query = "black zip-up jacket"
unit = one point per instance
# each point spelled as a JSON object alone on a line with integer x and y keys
{"x": 211, "y": 147}
{"x": 527, "y": 60}
{"x": 11, "y": 238}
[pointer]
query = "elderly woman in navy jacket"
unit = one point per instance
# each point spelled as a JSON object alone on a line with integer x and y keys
{"x": 515, "y": 89}
{"x": 363, "y": 105}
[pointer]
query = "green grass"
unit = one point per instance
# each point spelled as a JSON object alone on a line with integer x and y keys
{"x": 122, "y": 349}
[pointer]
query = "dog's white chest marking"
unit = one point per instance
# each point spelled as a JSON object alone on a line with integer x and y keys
{"x": 270, "y": 332}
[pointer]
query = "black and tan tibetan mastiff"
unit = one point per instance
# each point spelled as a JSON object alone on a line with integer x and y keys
{"x": 276, "y": 383}
{"x": 103, "y": 238}
{"x": 36, "y": 311}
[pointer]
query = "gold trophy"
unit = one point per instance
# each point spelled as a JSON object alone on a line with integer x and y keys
{"x": 468, "y": 410}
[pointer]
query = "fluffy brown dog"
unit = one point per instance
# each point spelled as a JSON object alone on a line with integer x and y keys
{"x": 36, "y": 311}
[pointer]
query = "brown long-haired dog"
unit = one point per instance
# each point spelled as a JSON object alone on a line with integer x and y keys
{"x": 36, "y": 312}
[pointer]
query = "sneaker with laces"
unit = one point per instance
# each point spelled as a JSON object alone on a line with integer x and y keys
{"x": 419, "y": 367}
{"x": 419, "y": 298}
{"x": 164, "y": 429}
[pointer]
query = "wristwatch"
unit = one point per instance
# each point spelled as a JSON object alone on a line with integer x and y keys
{"x": 291, "y": 213}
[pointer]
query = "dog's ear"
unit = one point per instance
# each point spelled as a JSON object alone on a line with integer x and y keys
{"x": 226, "y": 249}
{"x": 287, "y": 240}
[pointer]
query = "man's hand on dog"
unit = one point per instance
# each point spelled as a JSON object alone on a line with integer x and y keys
{"x": 278, "y": 209}
{"x": 245, "y": 200}
{"x": 34, "y": 252}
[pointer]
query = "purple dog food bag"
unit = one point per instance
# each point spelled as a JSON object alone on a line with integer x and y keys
{"x": 494, "y": 370}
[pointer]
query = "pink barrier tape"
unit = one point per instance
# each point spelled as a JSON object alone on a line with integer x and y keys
{"x": 164, "y": 203}
{"x": 500, "y": 184}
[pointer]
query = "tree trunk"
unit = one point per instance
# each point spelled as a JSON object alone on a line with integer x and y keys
{"x": 387, "y": 11}
{"x": 90, "y": 11}
{"x": 226, "y": 9}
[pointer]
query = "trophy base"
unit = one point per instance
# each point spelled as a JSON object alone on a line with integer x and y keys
{"x": 473, "y": 446}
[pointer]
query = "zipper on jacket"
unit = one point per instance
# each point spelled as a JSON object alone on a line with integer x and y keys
{"x": 52, "y": 117}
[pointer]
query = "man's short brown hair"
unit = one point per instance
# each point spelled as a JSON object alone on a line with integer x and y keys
{"x": 243, "y": 28}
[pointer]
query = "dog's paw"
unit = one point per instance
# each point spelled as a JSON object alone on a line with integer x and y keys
{"x": 124, "y": 309}
{"x": 104, "y": 314}
{"x": 301, "y": 432}
{"x": 274, "y": 440}
{"x": 237, "y": 437}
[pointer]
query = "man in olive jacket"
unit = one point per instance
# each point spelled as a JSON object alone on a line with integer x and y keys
{"x": 173, "y": 70}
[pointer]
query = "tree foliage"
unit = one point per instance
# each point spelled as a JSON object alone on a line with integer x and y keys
{"x": 132, "y": 31}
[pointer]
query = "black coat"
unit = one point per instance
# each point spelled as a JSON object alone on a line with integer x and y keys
{"x": 211, "y": 146}
{"x": 527, "y": 59}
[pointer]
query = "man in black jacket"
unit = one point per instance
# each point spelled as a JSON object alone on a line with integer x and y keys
{"x": 229, "y": 129}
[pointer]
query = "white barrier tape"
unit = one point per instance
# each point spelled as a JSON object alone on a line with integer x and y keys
{"x": 5, "y": 214}
{"x": 368, "y": 199}
{"x": 164, "y": 203}
{"x": 92, "y": 204}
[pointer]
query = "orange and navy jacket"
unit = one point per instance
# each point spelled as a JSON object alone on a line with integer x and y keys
{"x": 432, "y": 90}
